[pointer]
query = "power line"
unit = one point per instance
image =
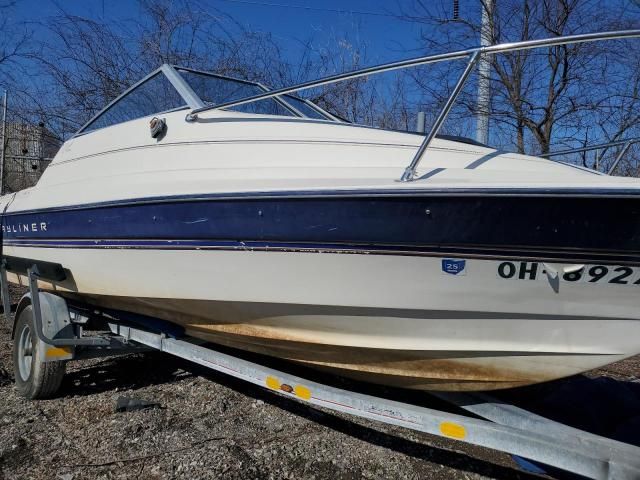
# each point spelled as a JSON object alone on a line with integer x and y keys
{"x": 319, "y": 9}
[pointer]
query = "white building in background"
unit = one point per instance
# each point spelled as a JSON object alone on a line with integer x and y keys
{"x": 29, "y": 150}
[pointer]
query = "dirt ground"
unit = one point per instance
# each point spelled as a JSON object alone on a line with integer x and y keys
{"x": 212, "y": 426}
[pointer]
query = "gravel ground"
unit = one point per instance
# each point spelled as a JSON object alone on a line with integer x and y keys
{"x": 212, "y": 426}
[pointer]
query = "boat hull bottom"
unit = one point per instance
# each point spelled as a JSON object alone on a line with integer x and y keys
{"x": 418, "y": 370}
{"x": 450, "y": 360}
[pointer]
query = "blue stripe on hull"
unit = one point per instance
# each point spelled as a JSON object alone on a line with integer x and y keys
{"x": 360, "y": 193}
{"x": 599, "y": 228}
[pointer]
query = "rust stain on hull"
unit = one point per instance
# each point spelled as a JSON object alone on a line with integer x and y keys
{"x": 407, "y": 369}
{"x": 424, "y": 370}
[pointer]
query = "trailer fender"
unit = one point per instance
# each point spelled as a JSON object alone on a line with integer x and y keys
{"x": 24, "y": 302}
{"x": 56, "y": 323}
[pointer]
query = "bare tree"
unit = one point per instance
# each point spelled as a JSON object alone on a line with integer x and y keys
{"x": 87, "y": 63}
{"x": 15, "y": 37}
{"x": 380, "y": 101}
{"x": 546, "y": 96}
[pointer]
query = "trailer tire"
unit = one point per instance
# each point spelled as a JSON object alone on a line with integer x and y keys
{"x": 35, "y": 378}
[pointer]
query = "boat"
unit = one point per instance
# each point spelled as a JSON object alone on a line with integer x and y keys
{"x": 253, "y": 219}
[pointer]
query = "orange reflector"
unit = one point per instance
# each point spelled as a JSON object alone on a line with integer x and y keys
{"x": 58, "y": 352}
{"x": 303, "y": 392}
{"x": 273, "y": 382}
{"x": 453, "y": 430}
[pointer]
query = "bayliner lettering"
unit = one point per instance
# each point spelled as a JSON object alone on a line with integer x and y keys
{"x": 25, "y": 227}
{"x": 612, "y": 274}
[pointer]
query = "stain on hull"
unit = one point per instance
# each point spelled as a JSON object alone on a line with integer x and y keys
{"x": 236, "y": 325}
{"x": 407, "y": 369}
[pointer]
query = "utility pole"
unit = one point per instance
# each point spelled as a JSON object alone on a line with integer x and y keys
{"x": 484, "y": 74}
{"x": 4, "y": 141}
{"x": 420, "y": 123}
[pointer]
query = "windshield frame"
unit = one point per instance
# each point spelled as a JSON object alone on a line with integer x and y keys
{"x": 280, "y": 99}
{"x": 83, "y": 128}
{"x": 294, "y": 112}
{"x": 192, "y": 100}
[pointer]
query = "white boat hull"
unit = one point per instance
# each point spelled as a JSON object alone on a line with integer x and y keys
{"x": 390, "y": 319}
{"x": 292, "y": 237}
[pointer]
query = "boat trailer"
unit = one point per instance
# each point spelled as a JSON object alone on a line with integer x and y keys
{"x": 59, "y": 337}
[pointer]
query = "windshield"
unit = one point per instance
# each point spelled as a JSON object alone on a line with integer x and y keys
{"x": 214, "y": 89}
{"x": 158, "y": 94}
{"x": 303, "y": 107}
{"x": 155, "y": 95}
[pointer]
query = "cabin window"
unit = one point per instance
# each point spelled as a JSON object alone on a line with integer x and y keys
{"x": 303, "y": 107}
{"x": 156, "y": 95}
{"x": 215, "y": 89}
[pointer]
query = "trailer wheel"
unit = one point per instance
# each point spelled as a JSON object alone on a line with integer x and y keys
{"x": 35, "y": 379}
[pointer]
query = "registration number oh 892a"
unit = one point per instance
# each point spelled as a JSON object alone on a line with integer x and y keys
{"x": 614, "y": 274}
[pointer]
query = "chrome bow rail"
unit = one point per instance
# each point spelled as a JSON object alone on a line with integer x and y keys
{"x": 626, "y": 144}
{"x": 472, "y": 55}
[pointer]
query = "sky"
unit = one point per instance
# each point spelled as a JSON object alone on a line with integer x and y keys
{"x": 290, "y": 21}
{"x": 374, "y": 23}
